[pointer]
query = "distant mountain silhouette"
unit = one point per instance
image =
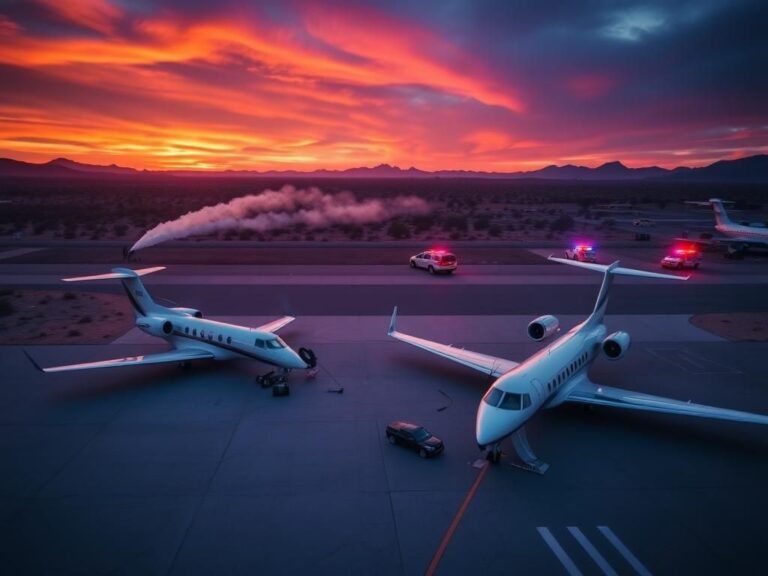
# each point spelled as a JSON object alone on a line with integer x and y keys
{"x": 750, "y": 169}
{"x": 78, "y": 167}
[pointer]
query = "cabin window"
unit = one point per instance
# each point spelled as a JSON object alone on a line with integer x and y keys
{"x": 229, "y": 339}
{"x": 493, "y": 396}
{"x": 186, "y": 329}
{"x": 194, "y": 332}
{"x": 220, "y": 338}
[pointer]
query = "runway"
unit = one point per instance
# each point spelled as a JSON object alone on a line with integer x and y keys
{"x": 157, "y": 470}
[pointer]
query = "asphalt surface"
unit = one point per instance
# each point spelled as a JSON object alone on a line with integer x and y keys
{"x": 158, "y": 470}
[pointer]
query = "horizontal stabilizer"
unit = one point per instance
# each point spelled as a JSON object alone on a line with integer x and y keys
{"x": 116, "y": 273}
{"x": 616, "y": 270}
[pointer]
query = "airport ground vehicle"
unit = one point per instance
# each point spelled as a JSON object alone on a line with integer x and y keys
{"x": 435, "y": 261}
{"x": 681, "y": 258}
{"x": 415, "y": 437}
{"x": 582, "y": 253}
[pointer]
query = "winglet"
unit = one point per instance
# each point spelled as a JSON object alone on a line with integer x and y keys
{"x": 35, "y": 364}
{"x": 392, "y": 322}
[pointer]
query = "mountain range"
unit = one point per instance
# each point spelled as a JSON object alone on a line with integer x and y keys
{"x": 753, "y": 169}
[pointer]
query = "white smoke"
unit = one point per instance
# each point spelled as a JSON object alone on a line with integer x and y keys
{"x": 282, "y": 208}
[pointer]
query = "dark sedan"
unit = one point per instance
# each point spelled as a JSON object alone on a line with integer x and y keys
{"x": 415, "y": 437}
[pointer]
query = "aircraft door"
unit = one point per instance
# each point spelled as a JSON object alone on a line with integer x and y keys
{"x": 537, "y": 388}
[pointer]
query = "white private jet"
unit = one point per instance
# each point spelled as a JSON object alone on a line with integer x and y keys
{"x": 558, "y": 374}
{"x": 192, "y": 337}
{"x": 738, "y": 237}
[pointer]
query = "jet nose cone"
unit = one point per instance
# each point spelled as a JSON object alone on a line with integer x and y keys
{"x": 293, "y": 360}
{"x": 489, "y": 425}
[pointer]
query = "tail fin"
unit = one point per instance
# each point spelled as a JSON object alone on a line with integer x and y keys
{"x": 141, "y": 301}
{"x": 721, "y": 216}
{"x": 609, "y": 272}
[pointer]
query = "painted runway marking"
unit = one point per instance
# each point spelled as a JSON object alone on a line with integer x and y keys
{"x": 558, "y": 551}
{"x": 592, "y": 551}
{"x": 624, "y": 551}
{"x": 455, "y": 522}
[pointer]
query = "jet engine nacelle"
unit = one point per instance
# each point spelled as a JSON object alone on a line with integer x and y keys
{"x": 616, "y": 345}
{"x": 188, "y": 312}
{"x": 155, "y": 326}
{"x": 543, "y": 327}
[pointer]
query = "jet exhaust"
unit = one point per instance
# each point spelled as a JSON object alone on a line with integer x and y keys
{"x": 289, "y": 206}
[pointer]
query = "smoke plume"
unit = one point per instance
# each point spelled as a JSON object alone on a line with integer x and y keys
{"x": 283, "y": 208}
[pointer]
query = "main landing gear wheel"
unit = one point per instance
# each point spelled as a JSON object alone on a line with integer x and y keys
{"x": 308, "y": 356}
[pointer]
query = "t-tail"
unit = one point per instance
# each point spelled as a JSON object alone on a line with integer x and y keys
{"x": 142, "y": 302}
{"x": 721, "y": 216}
{"x": 609, "y": 272}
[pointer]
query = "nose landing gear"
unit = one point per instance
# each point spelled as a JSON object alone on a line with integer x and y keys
{"x": 493, "y": 453}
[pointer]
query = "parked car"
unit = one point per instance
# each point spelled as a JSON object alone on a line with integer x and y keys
{"x": 415, "y": 437}
{"x": 582, "y": 253}
{"x": 682, "y": 258}
{"x": 435, "y": 261}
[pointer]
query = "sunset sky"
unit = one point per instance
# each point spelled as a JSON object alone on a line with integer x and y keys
{"x": 496, "y": 86}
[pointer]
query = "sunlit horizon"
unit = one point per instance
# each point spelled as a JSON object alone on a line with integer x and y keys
{"x": 308, "y": 86}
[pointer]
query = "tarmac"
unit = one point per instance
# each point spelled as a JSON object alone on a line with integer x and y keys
{"x": 159, "y": 470}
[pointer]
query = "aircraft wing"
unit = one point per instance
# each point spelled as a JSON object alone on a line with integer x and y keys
{"x": 181, "y": 355}
{"x": 275, "y": 325}
{"x": 590, "y": 393}
{"x": 481, "y": 362}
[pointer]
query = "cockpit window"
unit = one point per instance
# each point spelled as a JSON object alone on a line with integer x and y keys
{"x": 493, "y": 396}
{"x": 275, "y": 343}
{"x": 259, "y": 342}
{"x": 510, "y": 401}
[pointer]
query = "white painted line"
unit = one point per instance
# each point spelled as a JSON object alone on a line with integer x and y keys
{"x": 624, "y": 551}
{"x": 558, "y": 551}
{"x": 592, "y": 551}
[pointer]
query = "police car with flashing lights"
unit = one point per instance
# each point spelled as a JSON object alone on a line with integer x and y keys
{"x": 434, "y": 261}
{"x": 682, "y": 258}
{"x": 582, "y": 253}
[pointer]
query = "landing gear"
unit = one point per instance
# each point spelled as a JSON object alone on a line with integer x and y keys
{"x": 493, "y": 454}
{"x": 272, "y": 378}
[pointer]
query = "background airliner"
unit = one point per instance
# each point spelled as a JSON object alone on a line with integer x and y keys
{"x": 738, "y": 237}
{"x": 558, "y": 374}
{"x": 191, "y": 336}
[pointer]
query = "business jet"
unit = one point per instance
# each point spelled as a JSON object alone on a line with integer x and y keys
{"x": 738, "y": 237}
{"x": 191, "y": 336}
{"x": 558, "y": 374}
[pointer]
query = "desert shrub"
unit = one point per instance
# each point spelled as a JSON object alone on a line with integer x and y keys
{"x": 562, "y": 223}
{"x": 6, "y": 308}
{"x": 69, "y": 296}
{"x": 482, "y": 222}
{"x": 399, "y": 230}
{"x": 85, "y": 320}
{"x": 72, "y": 333}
